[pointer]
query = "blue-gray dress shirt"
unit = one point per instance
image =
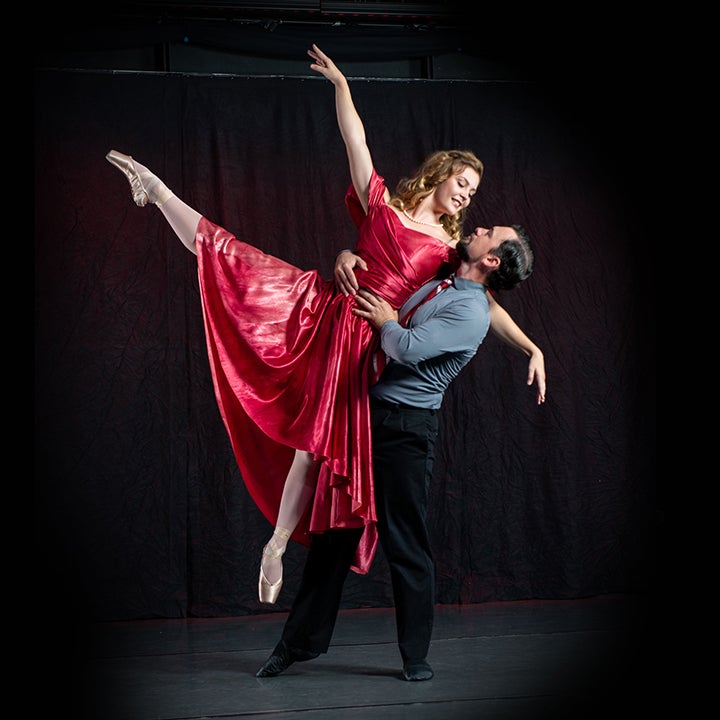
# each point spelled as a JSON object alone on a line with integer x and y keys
{"x": 441, "y": 338}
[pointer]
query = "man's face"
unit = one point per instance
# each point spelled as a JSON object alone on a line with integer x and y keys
{"x": 482, "y": 240}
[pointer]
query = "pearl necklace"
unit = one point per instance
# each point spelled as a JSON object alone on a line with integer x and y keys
{"x": 420, "y": 222}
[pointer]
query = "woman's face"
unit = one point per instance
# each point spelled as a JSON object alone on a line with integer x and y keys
{"x": 455, "y": 193}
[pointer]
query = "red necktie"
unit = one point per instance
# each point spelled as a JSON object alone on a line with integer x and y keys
{"x": 380, "y": 359}
{"x": 443, "y": 285}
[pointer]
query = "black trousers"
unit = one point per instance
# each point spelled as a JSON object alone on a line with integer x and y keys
{"x": 403, "y": 454}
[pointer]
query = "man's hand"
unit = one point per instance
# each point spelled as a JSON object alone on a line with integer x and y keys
{"x": 344, "y": 272}
{"x": 373, "y": 308}
{"x": 536, "y": 372}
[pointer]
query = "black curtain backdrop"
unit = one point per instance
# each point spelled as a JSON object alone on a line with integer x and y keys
{"x": 141, "y": 510}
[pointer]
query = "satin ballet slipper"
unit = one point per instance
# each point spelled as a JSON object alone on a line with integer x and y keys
{"x": 268, "y": 592}
{"x": 146, "y": 187}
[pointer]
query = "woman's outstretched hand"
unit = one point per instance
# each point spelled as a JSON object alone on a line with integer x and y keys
{"x": 324, "y": 65}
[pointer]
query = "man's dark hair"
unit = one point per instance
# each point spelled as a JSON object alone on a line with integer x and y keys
{"x": 516, "y": 262}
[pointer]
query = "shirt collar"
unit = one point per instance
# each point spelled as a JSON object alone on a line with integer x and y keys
{"x": 464, "y": 284}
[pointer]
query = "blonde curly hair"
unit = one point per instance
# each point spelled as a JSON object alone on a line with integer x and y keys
{"x": 435, "y": 169}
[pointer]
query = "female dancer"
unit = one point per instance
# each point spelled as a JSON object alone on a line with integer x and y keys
{"x": 291, "y": 363}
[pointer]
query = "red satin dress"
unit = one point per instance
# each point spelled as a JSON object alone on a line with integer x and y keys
{"x": 291, "y": 364}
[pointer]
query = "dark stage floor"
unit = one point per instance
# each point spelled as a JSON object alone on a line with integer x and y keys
{"x": 495, "y": 661}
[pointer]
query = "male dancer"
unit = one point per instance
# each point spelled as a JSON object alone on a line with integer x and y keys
{"x": 435, "y": 334}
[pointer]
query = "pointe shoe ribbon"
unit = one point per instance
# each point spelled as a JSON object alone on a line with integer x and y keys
{"x": 145, "y": 186}
{"x": 268, "y": 592}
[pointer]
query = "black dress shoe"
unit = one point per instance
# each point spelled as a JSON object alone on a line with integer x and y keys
{"x": 282, "y": 658}
{"x": 417, "y": 670}
{"x": 275, "y": 664}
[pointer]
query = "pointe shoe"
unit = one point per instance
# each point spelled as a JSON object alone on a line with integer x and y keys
{"x": 268, "y": 592}
{"x": 141, "y": 183}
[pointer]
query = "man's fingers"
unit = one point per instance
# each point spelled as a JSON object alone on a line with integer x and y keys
{"x": 362, "y": 300}
{"x": 368, "y": 299}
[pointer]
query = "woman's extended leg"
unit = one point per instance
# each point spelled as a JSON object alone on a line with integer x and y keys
{"x": 148, "y": 188}
{"x": 297, "y": 494}
{"x": 302, "y": 478}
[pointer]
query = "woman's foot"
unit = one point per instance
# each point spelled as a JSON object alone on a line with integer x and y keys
{"x": 271, "y": 569}
{"x": 146, "y": 187}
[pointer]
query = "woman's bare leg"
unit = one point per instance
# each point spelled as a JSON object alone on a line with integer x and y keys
{"x": 297, "y": 494}
{"x": 183, "y": 220}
